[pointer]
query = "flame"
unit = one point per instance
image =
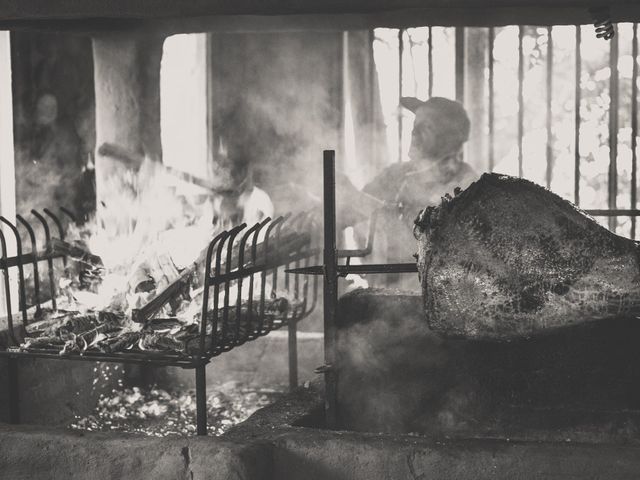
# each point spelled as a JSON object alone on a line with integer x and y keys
{"x": 169, "y": 225}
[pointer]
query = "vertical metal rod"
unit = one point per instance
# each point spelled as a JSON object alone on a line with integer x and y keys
{"x": 330, "y": 287}
{"x": 430, "y": 60}
{"x": 201, "y": 399}
{"x": 613, "y": 130}
{"x": 459, "y": 46}
{"x": 233, "y": 233}
{"x": 520, "y": 98}
{"x": 263, "y": 279}
{"x": 241, "y": 252}
{"x": 491, "y": 101}
{"x": 254, "y": 330}
{"x": 47, "y": 235}
{"x": 14, "y": 394}
{"x": 218, "y": 341}
{"x": 292, "y": 334}
{"x": 204, "y": 320}
{"x": 22, "y": 299}
{"x": 7, "y": 287}
{"x": 58, "y": 225}
{"x": 576, "y": 144}
{"x": 400, "y": 74}
{"x": 34, "y": 252}
{"x": 549, "y": 175}
{"x": 634, "y": 127}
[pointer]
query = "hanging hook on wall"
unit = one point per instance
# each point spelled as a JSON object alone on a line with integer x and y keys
{"x": 602, "y": 22}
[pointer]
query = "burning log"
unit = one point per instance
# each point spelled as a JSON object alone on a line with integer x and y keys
{"x": 177, "y": 288}
{"x": 134, "y": 161}
{"x": 507, "y": 258}
{"x": 57, "y": 247}
{"x": 107, "y": 332}
{"x": 289, "y": 244}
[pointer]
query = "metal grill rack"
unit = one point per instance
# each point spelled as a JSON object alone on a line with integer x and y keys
{"x": 255, "y": 258}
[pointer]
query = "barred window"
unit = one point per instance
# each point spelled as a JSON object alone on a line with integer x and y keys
{"x": 553, "y": 104}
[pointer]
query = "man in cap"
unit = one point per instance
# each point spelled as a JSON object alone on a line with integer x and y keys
{"x": 436, "y": 168}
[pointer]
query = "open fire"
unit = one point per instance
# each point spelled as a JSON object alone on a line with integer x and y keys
{"x": 159, "y": 303}
{"x": 170, "y": 288}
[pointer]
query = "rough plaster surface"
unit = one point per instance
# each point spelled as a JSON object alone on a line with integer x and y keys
{"x": 53, "y": 392}
{"x": 282, "y": 442}
{"x": 40, "y": 455}
{"x": 338, "y": 456}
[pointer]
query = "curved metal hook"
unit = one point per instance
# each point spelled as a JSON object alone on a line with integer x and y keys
{"x": 22, "y": 301}
{"x": 34, "y": 253}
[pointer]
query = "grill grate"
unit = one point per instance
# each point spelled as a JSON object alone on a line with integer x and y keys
{"x": 241, "y": 272}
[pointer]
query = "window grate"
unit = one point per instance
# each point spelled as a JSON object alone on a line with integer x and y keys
{"x": 603, "y": 144}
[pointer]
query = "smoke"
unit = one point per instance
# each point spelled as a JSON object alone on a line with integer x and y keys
{"x": 394, "y": 372}
{"x": 277, "y": 106}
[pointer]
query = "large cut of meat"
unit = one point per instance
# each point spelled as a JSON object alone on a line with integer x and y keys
{"x": 507, "y": 258}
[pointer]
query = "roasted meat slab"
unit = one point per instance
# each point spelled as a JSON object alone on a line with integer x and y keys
{"x": 507, "y": 259}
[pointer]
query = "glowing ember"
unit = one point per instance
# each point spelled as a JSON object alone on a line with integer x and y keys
{"x": 159, "y": 413}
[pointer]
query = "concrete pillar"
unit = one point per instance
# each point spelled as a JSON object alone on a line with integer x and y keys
{"x": 7, "y": 169}
{"x": 127, "y": 90}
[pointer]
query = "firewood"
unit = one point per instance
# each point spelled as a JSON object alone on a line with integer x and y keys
{"x": 58, "y": 247}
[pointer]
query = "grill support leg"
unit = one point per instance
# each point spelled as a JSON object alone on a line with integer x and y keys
{"x": 14, "y": 405}
{"x": 201, "y": 400}
{"x": 293, "y": 354}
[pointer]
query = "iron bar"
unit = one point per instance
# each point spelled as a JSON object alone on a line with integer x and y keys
{"x": 22, "y": 294}
{"x": 28, "y": 257}
{"x": 577, "y": 119}
{"x": 263, "y": 279}
{"x": 430, "y": 61}
{"x": 47, "y": 235}
{"x": 491, "y": 100}
{"x": 216, "y": 293}
{"x": 549, "y": 85}
{"x": 69, "y": 214}
{"x": 613, "y": 213}
{"x": 613, "y": 130}
{"x": 34, "y": 255}
{"x": 58, "y": 225}
{"x": 459, "y": 66}
{"x": 520, "y": 98}
{"x": 241, "y": 251}
{"x": 7, "y": 288}
{"x": 292, "y": 343}
{"x": 634, "y": 127}
{"x": 330, "y": 286}
{"x": 219, "y": 239}
{"x": 400, "y": 75}
{"x": 343, "y": 270}
{"x": 201, "y": 400}
{"x": 166, "y": 360}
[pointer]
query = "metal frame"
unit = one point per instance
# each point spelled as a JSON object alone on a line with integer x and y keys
{"x": 331, "y": 271}
{"x": 241, "y": 254}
